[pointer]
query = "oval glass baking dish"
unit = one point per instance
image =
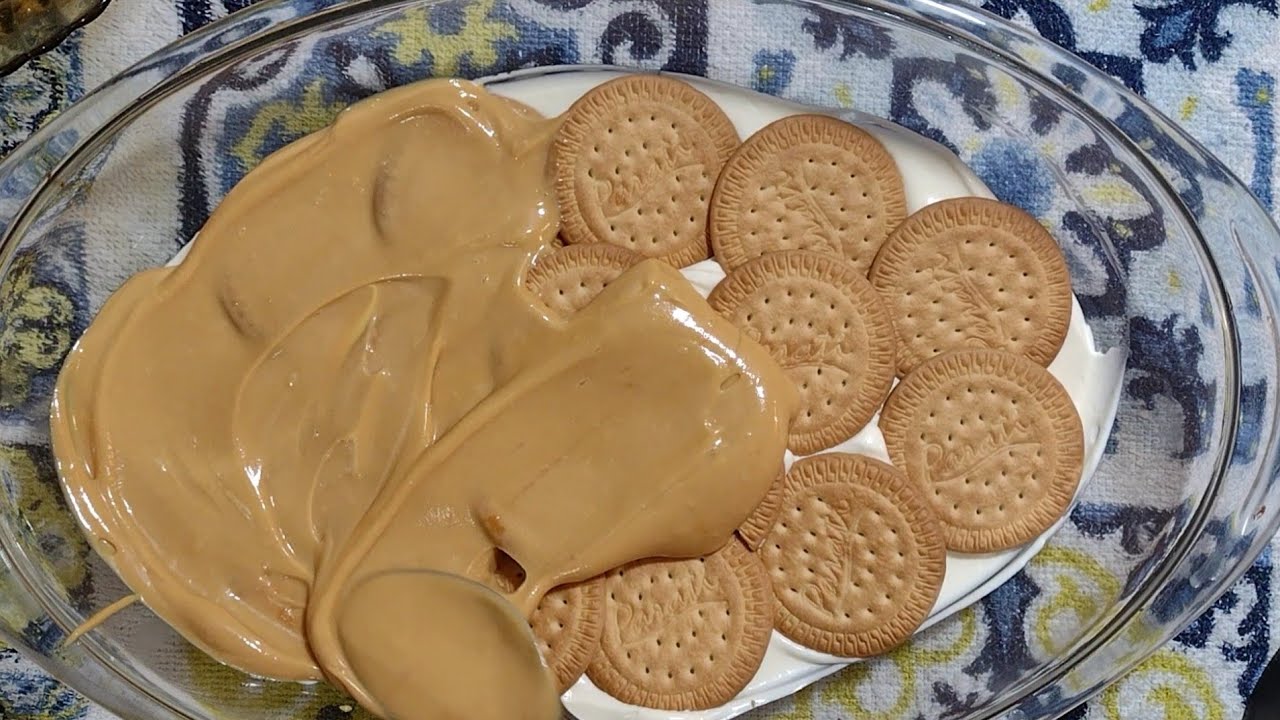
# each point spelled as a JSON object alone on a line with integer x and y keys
{"x": 1171, "y": 258}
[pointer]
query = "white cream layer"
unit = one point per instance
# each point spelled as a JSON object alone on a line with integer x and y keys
{"x": 930, "y": 173}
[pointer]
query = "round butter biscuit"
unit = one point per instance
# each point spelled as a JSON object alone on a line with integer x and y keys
{"x": 567, "y": 622}
{"x": 806, "y": 182}
{"x": 635, "y": 162}
{"x": 571, "y": 277}
{"x": 828, "y": 329}
{"x": 974, "y": 273}
{"x": 993, "y": 442}
{"x": 856, "y": 558}
{"x": 684, "y": 634}
{"x": 567, "y": 626}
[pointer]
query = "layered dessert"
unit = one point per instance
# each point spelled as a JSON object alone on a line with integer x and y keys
{"x": 608, "y": 390}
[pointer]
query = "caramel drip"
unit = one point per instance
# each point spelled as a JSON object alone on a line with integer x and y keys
{"x": 302, "y": 438}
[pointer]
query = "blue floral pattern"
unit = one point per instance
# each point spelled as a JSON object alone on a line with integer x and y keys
{"x": 1187, "y": 28}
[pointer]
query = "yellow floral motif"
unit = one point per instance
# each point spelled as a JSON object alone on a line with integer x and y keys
{"x": 1008, "y": 90}
{"x": 476, "y": 40}
{"x": 35, "y": 330}
{"x": 1033, "y": 55}
{"x": 963, "y": 642}
{"x": 1098, "y": 5}
{"x": 1112, "y": 194}
{"x": 1172, "y": 688}
{"x": 228, "y": 693}
{"x": 844, "y": 96}
{"x": 1078, "y": 591}
{"x": 293, "y": 119}
{"x": 63, "y": 549}
{"x": 845, "y": 692}
{"x": 1188, "y": 107}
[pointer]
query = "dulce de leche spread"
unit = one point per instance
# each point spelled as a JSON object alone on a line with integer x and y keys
{"x": 295, "y": 444}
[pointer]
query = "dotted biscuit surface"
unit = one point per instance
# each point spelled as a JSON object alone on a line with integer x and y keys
{"x": 636, "y": 160}
{"x": 567, "y": 626}
{"x": 973, "y": 273}
{"x": 828, "y": 329}
{"x": 806, "y": 182}
{"x": 856, "y": 558}
{"x": 567, "y": 622}
{"x": 571, "y": 277}
{"x": 992, "y": 441}
{"x": 684, "y": 634}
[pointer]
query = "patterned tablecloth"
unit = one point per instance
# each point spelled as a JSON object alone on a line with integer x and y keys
{"x": 1210, "y": 64}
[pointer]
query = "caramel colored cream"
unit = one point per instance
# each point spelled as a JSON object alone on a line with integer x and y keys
{"x": 296, "y": 444}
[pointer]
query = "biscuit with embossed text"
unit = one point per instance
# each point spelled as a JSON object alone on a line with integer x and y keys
{"x": 856, "y": 557}
{"x": 635, "y": 161}
{"x": 684, "y": 634}
{"x": 973, "y": 273}
{"x": 993, "y": 442}
{"x": 806, "y": 182}
{"x": 828, "y": 329}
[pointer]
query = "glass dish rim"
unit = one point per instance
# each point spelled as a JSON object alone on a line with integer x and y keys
{"x": 169, "y": 70}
